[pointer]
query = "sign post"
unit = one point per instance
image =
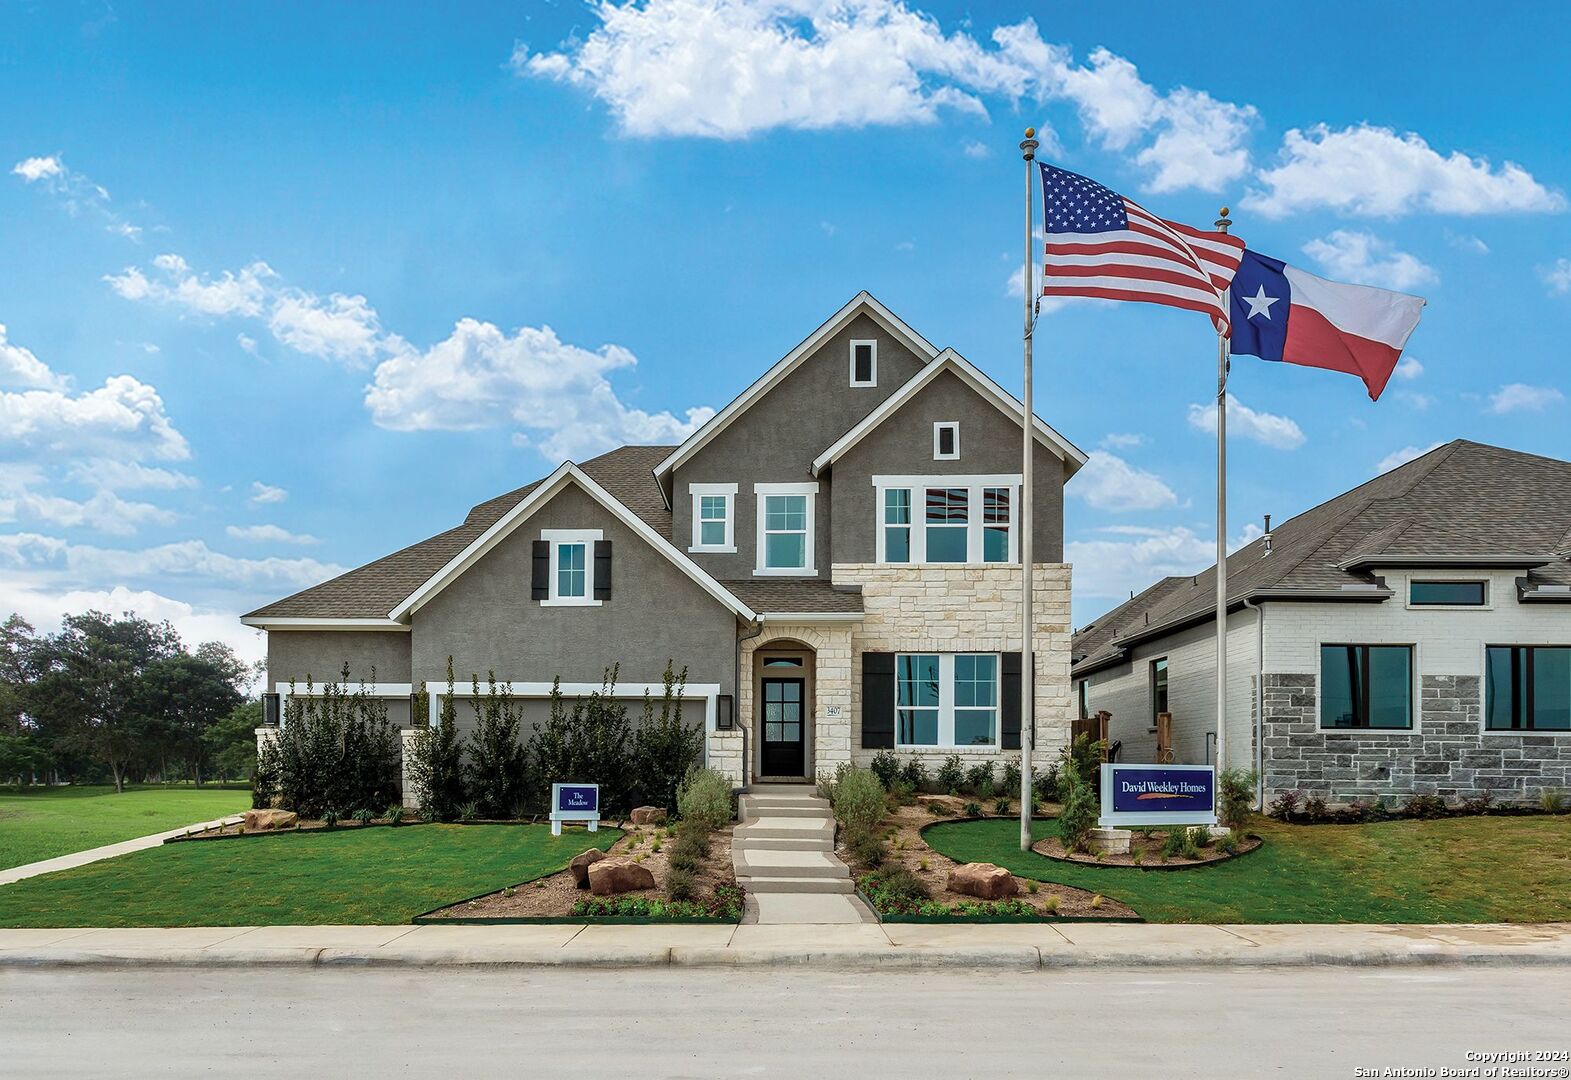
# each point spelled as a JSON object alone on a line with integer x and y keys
{"x": 575, "y": 802}
{"x": 1158, "y": 795}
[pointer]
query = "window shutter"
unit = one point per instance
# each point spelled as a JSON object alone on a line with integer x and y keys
{"x": 540, "y": 571}
{"x": 602, "y": 569}
{"x": 878, "y": 701}
{"x": 1009, "y": 687}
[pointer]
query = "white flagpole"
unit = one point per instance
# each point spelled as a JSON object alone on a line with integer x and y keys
{"x": 1026, "y": 523}
{"x": 1222, "y": 361}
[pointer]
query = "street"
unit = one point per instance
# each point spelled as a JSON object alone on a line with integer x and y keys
{"x": 265, "y": 1022}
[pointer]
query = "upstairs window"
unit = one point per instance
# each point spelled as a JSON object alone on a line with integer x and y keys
{"x": 713, "y": 524}
{"x": 1527, "y": 688}
{"x": 897, "y": 525}
{"x": 1366, "y": 686}
{"x": 571, "y": 571}
{"x": 864, "y": 362}
{"x": 1447, "y": 594}
{"x": 947, "y": 521}
{"x": 995, "y": 524}
{"x": 946, "y": 440}
{"x": 565, "y": 575}
{"x": 958, "y": 519}
{"x": 785, "y": 529}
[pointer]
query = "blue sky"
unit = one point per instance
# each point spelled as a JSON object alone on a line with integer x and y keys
{"x": 285, "y": 288}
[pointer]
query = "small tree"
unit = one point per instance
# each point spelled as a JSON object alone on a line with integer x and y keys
{"x": 1236, "y": 798}
{"x": 436, "y": 768}
{"x": 589, "y": 744}
{"x": 1080, "y": 812}
{"x": 665, "y": 747}
{"x": 497, "y": 770}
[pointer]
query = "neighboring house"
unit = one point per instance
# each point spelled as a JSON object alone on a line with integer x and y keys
{"x": 1412, "y": 636}
{"x": 833, "y": 557}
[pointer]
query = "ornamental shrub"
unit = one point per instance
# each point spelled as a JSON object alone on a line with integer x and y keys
{"x": 1080, "y": 811}
{"x": 704, "y": 800}
{"x": 951, "y": 776}
{"x": 335, "y": 748}
{"x": 436, "y": 765}
{"x": 1010, "y": 783}
{"x": 587, "y": 743}
{"x": 1285, "y": 805}
{"x": 978, "y": 777}
{"x": 1083, "y": 758}
{"x": 914, "y": 773}
{"x": 858, "y": 798}
{"x": 887, "y": 768}
{"x": 1235, "y": 797}
{"x": 497, "y": 766}
{"x": 665, "y": 747}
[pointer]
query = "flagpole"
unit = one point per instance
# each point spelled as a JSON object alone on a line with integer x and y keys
{"x": 1222, "y": 363}
{"x": 1026, "y": 525}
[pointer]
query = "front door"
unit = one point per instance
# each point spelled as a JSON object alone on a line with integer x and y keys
{"x": 783, "y": 750}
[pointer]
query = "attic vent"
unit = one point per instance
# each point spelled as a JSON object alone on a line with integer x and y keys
{"x": 1267, "y": 537}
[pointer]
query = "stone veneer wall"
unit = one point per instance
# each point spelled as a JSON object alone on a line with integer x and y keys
{"x": 1447, "y": 753}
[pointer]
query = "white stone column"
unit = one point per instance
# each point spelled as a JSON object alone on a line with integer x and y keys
{"x": 407, "y": 785}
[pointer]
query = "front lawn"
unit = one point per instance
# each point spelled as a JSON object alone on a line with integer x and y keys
{"x": 1466, "y": 869}
{"x": 39, "y": 823}
{"x": 353, "y": 874}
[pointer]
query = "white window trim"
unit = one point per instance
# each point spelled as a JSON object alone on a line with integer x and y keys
{"x": 728, "y": 491}
{"x": 946, "y": 704}
{"x": 871, "y": 343}
{"x": 708, "y": 693}
{"x": 938, "y": 426}
{"x": 974, "y": 524}
{"x": 558, "y": 537}
{"x": 760, "y": 496}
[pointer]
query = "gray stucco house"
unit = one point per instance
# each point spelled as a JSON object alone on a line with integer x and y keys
{"x": 1410, "y": 636}
{"x": 833, "y": 557}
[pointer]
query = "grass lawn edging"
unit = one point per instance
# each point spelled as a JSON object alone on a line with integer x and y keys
{"x": 982, "y": 920}
{"x": 1160, "y": 866}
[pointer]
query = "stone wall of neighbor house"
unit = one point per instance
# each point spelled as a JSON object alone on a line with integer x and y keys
{"x": 1446, "y": 753}
{"x": 964, "y": 609}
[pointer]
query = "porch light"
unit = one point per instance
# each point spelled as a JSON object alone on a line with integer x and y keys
{"x": 725, "y": 712}
{"x": 270, "y": 709}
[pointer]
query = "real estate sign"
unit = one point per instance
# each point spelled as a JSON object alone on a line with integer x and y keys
{"x": 1158, "y": 795}
{"x": 575, "y": 802}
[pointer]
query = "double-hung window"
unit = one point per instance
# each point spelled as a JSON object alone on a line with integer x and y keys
{"x": 947, "y": 519}
{"x": 1527, "y": 688}
{"x": 571, "y": 581}
{"x": 714, "y": 525}
{"x": 946, "y": 699}
{"x": 1366, "y": 686}
{"x": 785, "y": 529}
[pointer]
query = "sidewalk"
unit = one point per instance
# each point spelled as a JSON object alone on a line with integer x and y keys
{"x": 1016, "y": 945}
{"x": 108, "y": 851}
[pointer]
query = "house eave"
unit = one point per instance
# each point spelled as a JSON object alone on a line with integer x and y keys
{"x": 1359, "y": 562}
{"x": 300, "y": 622}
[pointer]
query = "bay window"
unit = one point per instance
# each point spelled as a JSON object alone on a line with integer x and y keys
{"x": 961, "y": 519}
{"x": 946, "y": 699}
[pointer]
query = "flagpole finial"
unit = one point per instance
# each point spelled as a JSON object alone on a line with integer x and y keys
{"x": 1029, "y": 145}
{"x": 1223, "y": 221}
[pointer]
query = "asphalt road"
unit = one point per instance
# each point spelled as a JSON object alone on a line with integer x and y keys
{"x": 264, "y": 1022}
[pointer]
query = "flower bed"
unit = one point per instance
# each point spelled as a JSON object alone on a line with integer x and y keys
{"x": 1150, "y": 849}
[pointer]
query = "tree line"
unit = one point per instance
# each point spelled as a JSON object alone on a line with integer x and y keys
{"x": 121, "y": 699}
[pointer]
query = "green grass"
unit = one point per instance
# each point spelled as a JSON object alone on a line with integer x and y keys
{"x": 42, "y": 822}
{"x": 1470, "y": 869}
{"x": 350, "y": 875}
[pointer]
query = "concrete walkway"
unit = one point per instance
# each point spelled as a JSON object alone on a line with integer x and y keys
{"x": 1021, "y": 946}
{"x": 784, "y": 857}
{"x": 108, "y": 851}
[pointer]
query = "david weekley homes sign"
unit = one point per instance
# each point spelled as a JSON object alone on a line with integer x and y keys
{"x": 1158, "y": 795}
{"x": 575, "y": 802}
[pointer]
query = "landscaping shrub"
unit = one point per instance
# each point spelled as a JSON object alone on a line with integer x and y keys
{"x": 1285, "y": 805}
{"x": 902, "y": 793}
{"x": 1173, "y": 844}
{"x": 1010, "y": 783}
{"x": 705, "y": 800}
{"x": 436, "y": 765}
{"x": 665, "y": 746}
{"x": 680, "y": 884}
{"x": 264, "y": 780}
{"x": 1001, "y": 807}
{"x": 334, "y": 749}
{"x": 887, "y": 768}
{"x": 1425, "y": 807}
{"x": 1080, "y": 812}
{"x": 330, "y": 817}
{"x": 914, "y": 773}
{"x": 1045, "y": 785}
{"x": 866, "y": 847}
{"x": 1478, "y": 804}
{"x": 394, "y": 814}
{"x": 365, "y": 815}
{"x": 1083, "y": 758}
{"x": 470, "y": 811}
{"x": 1315, "y": 810}
{"x": 893, "y": 885}
{"x": 978, "y": 777}
{"x": 858, "y": 798}
{"x": 1552, "y": 801}
{"x": 1235, "y": 797}
{"x": 973, "y": 809}
{"x": 589, "y": 743}
{"x": 951, "y": 776}
{"x": 497, "y": 767}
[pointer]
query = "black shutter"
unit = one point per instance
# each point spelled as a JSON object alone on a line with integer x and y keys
{"x": 602, "y": 569}
{"x": 878, "y": 701}
{"x": 540, "y": 576}
{"x": 1009, "y": 687}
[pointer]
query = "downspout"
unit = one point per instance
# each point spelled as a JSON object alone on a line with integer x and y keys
{"x": 1260, "y": 699}
{"x": 736, "y": 688}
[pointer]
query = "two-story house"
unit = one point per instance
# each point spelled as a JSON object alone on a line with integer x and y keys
{"x": 834, "y": 558}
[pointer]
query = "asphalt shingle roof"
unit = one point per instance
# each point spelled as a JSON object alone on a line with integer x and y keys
{"x": 786, "y": 596}
{"x": 1463, "y": 498}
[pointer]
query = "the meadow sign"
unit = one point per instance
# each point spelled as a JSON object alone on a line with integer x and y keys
{"x": 575, "y": 802}
{"x": 1158, "y": 795}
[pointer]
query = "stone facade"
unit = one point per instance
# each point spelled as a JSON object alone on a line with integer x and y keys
{"x": 830, "y": 740}
{"x": 1447, "y": 752}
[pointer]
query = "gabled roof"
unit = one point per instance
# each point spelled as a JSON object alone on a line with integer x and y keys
{"x": 1461, "y": 504}
{"x": 860, "y": 304}
{"x": 566, "y": 474}
{"x": 949, "y": 360}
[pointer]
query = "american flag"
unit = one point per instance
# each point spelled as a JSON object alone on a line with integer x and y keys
{"x": 1100, "y": 244}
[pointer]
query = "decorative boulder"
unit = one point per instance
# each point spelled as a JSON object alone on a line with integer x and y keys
{"x": 265, "y": 820}
{"x": 648, "y": 815}
{"x": 982, "y": 880}
{"x": 581, "y": 863}
{"x": 607, "y": 877}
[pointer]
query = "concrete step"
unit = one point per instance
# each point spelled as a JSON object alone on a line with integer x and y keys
{"x": 786, "y": 828}
{"x": 801, "y": 864}
{"x": 809, "y": 790}
{"x": 751, "y": 809}
{"x": 741, "y": 842}
{"x": 796, "y": 884}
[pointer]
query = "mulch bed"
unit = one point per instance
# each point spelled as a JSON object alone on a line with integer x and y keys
{"x": 554, "y": 895}
{"x": 1149, "y": 846}
{"x": 903, "y": 836}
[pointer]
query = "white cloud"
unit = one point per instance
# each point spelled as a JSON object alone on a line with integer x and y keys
{"x": 104, "y": 512}
{"x": 265, "y": 494}
{"x": 1281, "y": 432}
{"x": 1416, "y": 400}
{"x": 268, "y": 534}
{"x": 34, "y": 169}
{"x": 1122, "y": 440}
{"x": 1520, "y": 397}
{"x": 111, "y": 474}
{"x": 1557, "y": 276}
{"x": 1374, "y": 171}
{"x": 244, "y": 293}
{"x": 20, "y": 368}
{"x": 1365, "y": 259}
{"x": 1108, "y": 482}
{"x": 1200, "y": 142}
{"x": 343, "y": 328}
{"x": 1403, "y": 456}
{"x": 559, "y": 394}
{"x": 188, "y": 559}
{"x": 1466, "y": 242}
{"x": 123, "y": 418}
{"x": 75, "y": 191}
{"x": 977, "y": 150}
{"x": 1106, "y": 568}
{"x": 1408, "y": 368}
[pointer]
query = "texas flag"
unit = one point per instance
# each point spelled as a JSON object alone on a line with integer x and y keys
{"x": 1282, "y": 313}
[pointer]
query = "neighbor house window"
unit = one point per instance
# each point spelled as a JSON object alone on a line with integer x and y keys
{"x": 946, "y": 440}
{"x": 946, "y": 519}
{"x": 1527, "y": 688}
{"x": 1366, "y": 686}
{"x": 1158, "y": 688}
{"x": 714, "y": 526}
{"x": 570, "y": 581}
{"x": 864, "y": 363}
{"x": 946, "y": 699}
{"x": 1447, "y": 593}
{"x": 1082, "y": 693}
{"x": 785, "y": 528}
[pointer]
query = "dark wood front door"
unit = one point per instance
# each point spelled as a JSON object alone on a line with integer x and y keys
{"x": 783, "y": 749}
